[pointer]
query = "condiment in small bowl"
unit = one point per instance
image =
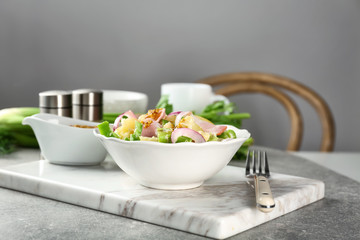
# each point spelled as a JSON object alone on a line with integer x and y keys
{"x": 66, "y": 141}
{"x": 172, "y": 166}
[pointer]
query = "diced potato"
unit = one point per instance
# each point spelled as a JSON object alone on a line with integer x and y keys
{"x": 189, "y": 122}
{"x": 127, "y": 128}
{"x": 169, "y": 125}
{"x": 171, "y": 118}
{"x": 206, "y": 135}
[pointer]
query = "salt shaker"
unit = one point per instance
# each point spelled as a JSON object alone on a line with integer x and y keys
{"x": 87, "y": 104}
{"x": 56, "y": 102}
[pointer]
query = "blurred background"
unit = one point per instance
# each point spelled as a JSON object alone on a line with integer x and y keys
{"x": 138, "y": 45}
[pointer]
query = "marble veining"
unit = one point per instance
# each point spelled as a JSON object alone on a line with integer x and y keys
{"x": 222, "y": 207}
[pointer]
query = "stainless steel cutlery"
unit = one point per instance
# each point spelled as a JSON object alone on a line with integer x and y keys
{"x": 257, "y": 166}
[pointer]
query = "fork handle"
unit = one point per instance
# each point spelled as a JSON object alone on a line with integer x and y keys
{"x": 264, "y": 199}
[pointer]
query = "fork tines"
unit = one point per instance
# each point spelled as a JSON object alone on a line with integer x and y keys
{"x": 267, "y": 169}
{"x": 254, "y": 159}
{"x": 247, "y": 164}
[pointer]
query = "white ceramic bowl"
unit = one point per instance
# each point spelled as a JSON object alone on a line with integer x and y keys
{"x": 116, "y": 101}
{"x": 63, "y": 144}
{"x": 172, "y": 166}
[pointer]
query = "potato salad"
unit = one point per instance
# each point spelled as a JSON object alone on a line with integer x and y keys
{"x": 157, "y": 126}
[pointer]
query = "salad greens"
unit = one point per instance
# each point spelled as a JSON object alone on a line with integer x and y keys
{"x": 104, "y": 129}
{"x": 164, "y": 103}
{"x": 156, "y": 125}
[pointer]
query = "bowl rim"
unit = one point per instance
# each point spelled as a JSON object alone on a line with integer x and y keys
{"x": 46, "y": 117}
{"x": 245, "y": 134}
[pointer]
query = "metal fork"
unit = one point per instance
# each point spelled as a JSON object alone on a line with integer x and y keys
{"x": 264, "y": 199}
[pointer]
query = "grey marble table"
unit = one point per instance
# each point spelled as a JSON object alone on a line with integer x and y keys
{"x": 337, "y": 216}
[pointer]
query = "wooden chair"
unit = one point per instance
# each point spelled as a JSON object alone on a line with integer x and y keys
{"x": 272, "y": 85}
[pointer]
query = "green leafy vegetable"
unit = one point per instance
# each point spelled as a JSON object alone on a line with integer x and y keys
{"x": 164, "y": 103}
{"x": 105, "y": 129}
{"x": 137, "y": 132}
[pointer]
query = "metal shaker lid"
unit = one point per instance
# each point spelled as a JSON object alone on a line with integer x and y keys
{"x": 87, "y": 97}
{"x": 55, "y": 99}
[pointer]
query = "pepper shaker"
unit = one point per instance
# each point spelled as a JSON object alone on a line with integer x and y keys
{"x": 87, "y": 104}
{"x": 56, "y": 102}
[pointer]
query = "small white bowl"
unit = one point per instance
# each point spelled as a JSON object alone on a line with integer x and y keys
{"x": 116, "y": 101}
{"x": 60, "y": 143}
{"x": 172, "y": 166}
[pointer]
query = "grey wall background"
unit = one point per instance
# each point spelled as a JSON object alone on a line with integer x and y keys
{"x": 138, "y": 45}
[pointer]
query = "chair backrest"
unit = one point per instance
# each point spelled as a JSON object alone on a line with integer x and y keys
{"x": 272, "y": 85}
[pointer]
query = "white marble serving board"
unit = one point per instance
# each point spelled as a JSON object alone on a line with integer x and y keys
{"x": 222, "y": 207}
